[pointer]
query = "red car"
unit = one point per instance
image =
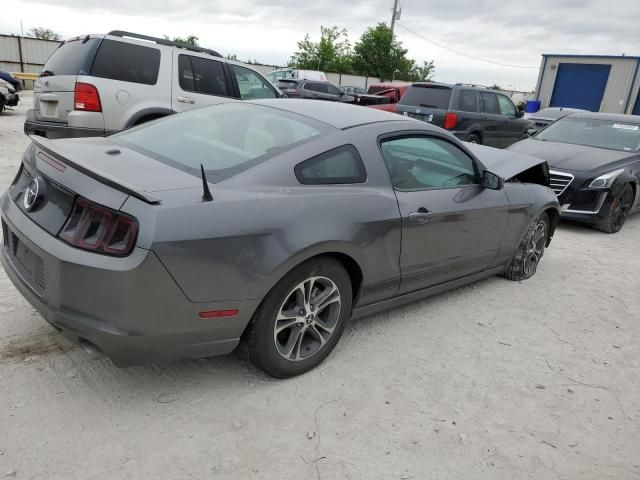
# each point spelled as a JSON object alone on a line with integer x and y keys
{"x": 391, "y": 90}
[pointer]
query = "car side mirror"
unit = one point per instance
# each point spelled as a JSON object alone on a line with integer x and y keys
{"x": 531, "y": 132}
{"x": 519, "y": 113}
{"x": 492, "y": 181}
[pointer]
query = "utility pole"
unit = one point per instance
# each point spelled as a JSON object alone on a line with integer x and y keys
{"x": 393, "y": 15}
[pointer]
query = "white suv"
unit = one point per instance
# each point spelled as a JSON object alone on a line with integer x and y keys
{"x": 95, "y": 85}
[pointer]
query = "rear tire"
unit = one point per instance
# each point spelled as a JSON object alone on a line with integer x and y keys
{"x": 473, "y": 138}
{"x": 301, "y": 320}
{"x": 525, "y": 262}
{"x": 618, "y": 211}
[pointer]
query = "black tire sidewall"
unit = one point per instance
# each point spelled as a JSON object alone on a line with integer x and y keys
{"x": 515, "y": 269}
{"x": 262, "y": 349}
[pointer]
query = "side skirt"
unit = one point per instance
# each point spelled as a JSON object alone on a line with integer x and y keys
{"x": 378, "y": 307}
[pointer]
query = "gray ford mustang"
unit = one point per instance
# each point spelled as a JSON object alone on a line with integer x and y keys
{"x": 269, "y": 221}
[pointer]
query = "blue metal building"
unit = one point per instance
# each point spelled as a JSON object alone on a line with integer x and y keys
{"x": 599, "y": 83}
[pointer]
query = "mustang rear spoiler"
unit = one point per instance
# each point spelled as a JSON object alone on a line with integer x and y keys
{"x": 45, "y": 144}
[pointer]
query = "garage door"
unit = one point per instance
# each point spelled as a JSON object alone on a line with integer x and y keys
{"x": 580, "y": 85}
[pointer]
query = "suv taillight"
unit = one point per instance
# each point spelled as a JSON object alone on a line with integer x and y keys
{"x": 86, "y": 98}
{"x": 99, "y": 229}
{"x": 450, "y": 120}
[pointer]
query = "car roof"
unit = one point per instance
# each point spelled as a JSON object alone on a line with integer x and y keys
{"x": 337, "y": 115}
{"x": 612, "y": 117}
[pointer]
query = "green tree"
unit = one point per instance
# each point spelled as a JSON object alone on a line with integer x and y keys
{"x": 190, "y": 40}
{"x": 45, "y": 34}
{"x": 421, "y": 72}
{"x": 231, "y": 56}
{"x": 331, "y": 54}
{"x": 495, "y": 86}
{"x": 379, "y": 54}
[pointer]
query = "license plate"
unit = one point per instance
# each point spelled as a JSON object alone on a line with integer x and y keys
{"x": 28, "y": 263}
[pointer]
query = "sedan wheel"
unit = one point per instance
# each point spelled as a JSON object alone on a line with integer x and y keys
{"x": 618, "y": 211}
{"x": 524, "y": 263}
{"x": 301, "y": 320}
{"x": 307, "y": 318}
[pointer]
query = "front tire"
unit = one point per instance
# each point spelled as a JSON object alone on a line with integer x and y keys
{"x": 618, "y": 211}
{"x": 301, "y": 320}
{"x": 525, "y": 262}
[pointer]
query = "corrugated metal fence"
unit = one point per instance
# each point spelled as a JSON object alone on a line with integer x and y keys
{"x": 24, "y": 54}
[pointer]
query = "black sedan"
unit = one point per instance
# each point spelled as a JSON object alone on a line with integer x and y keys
{"x": 594, "y": 161}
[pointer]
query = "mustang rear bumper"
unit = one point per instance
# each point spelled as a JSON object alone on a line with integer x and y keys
{"x": 129, "y": 308}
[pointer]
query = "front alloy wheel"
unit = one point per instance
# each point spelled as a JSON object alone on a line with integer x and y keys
{"x": 524, "y": 263}
{"x": 618, "y": 211}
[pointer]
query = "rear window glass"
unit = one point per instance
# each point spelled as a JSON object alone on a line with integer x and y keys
{"x": 226, "y": 139}
{"x": 427, "y": 96}
{"x": 127, "y": 62}
{"x": 72, "y": 58}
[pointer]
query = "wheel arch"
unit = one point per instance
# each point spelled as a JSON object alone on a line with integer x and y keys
{"x": 554, "y": 217}
{"x": 148, "y": 114}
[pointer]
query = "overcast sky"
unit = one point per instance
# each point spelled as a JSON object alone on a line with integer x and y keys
{"x": 512, "y": 32}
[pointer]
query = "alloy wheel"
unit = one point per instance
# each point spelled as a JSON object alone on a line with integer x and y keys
{"x": 620, "y": 209}
{"x": 535, "y": 249}
{"x": 307, "y": 318}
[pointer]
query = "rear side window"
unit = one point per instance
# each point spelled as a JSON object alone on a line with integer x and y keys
{"x": 489, "y": 103}
{"x": 341, "y": 165}
{"x": 72, "y": 58}
{"x": 127, "y": 62}
{"x": 252, "y": 85}
{"x": 200, "y": 75}
{"x": 427, "y": 96}
{"x": 468, "y": 101}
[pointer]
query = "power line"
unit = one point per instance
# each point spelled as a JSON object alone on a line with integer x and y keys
{"x": 461, "y": 53}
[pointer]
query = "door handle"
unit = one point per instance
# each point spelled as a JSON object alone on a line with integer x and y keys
{"x": 422, "y": 214}
{"x": 189, "y": 100}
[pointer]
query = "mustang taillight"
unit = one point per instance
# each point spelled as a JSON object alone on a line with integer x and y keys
{"x": 99, "y": 229}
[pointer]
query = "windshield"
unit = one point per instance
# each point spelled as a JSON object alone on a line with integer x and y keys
{"x": 614, "y": 135}
{"x": 226, "y": 139}
{"x": 427, "y": 96}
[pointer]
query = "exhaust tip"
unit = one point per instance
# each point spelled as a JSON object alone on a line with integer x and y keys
{"x": 94, "y": 352}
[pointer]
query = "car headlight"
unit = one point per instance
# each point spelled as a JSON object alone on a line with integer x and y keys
{"x": 605, "y": 181}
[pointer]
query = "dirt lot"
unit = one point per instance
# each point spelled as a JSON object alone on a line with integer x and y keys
{"x": 499, "y": 380}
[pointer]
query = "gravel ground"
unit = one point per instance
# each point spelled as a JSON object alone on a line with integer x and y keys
{"x": 499, "y": 380}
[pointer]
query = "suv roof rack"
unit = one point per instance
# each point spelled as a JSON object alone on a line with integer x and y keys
{"x": 163, "y": 41}
{"x": 470, "y": 85}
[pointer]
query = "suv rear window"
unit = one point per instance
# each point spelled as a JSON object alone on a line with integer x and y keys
{"x": 427, "y": 96}
{"x": 127, "y": 62}
{"x": 72, "y": 58}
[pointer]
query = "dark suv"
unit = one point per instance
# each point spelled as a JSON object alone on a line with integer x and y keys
{"x": 473, "y": 114}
